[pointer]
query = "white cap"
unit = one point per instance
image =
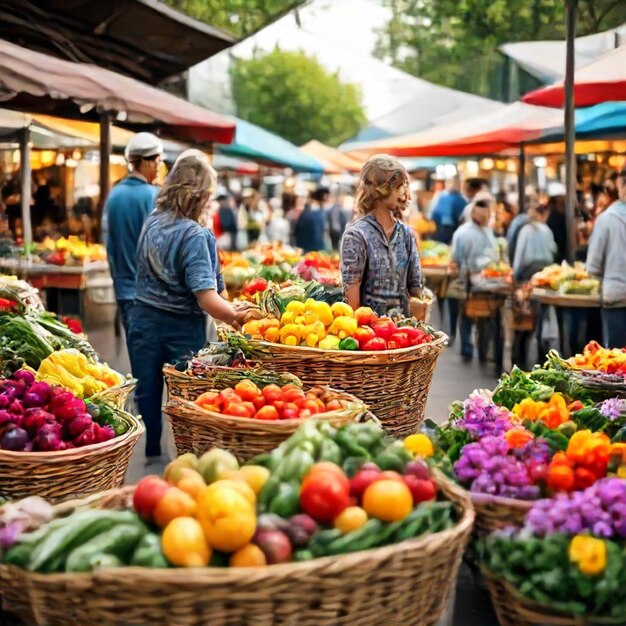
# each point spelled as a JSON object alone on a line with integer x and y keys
{"x": 143, "y": 145}
{"x": 555, "y": 189}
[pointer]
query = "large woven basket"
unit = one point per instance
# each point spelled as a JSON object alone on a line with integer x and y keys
{"x": 186, "y": 386}
{"x": 71, "y": 473}
{"x": 198, "y": 430}
{"x": 495, "y": 512}
{"x": 406, "y": 584}
{"x": 513, "y": 609}
{"x": 118, "y": 395}
{"x": 393, "y": 383}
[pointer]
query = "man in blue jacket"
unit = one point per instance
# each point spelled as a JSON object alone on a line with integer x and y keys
{"x": 126, "y": 209}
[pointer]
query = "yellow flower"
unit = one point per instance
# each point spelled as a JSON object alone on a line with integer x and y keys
{"x": 589, "y": 554}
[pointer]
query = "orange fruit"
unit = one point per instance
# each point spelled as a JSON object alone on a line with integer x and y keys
{"x": 174, "y": 503}
{"x": 248, "y": 556}
{"x": 350, "y": 519}
{"x": 388, "y": 500}
{"x": 227, "y": 517}
{"x": 255, "y": 475}
{"x": 184, "y": 544}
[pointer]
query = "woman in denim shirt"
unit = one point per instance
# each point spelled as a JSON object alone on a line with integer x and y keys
{"x": 380, "y": 264}
{"x": 178, "y": 282}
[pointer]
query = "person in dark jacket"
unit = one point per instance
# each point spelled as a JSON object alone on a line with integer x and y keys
{"x": 125, "y": 211}
{"x": 310, "y": 228}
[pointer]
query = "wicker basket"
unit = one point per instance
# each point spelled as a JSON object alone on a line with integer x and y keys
{"x": 513, "y": 609}
{"x": 393, "y": 383}
{"x": 184, "y": 386}
{"x": 118, "y": 395}
{"x": 495, "y": 512}
{"x": 71, "y": 473}
{"x": 198, "y": 430}
{"x": 406, "y": 584}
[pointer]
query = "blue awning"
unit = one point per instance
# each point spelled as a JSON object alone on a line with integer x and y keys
{"x": 602, "y": 121}
{"x": 257, "y": 144}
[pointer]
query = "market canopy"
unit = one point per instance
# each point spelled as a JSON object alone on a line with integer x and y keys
{"x": 601, "y": 80}
{"x": 254, "y": 143}
{"x": 334, "y": 161}
{"x": 483, "y": 134}
{"x": 38, "y": 83}
{"x": 144, "y": 39}
{"x": 42, "y": 136}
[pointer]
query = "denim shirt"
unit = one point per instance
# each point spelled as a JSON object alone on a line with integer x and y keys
{"x": 388, "y": 269}
{"x": 176, "y": 258}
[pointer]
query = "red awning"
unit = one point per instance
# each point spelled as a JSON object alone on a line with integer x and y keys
{"x": 37, "y": 83}
{"x": 601, "y": 80}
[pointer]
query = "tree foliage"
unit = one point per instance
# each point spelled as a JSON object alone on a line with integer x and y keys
{"x": 238, "y": 17}
{"x": 293, "y": 96}
{"x": 455, "y": 42}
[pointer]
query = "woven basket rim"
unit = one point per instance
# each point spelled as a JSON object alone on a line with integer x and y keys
{"x": 440, "y": 338}
{"x": 137, "y": 428}
{"x": 255, "y": 424}
{"x": 200, "y": 575}
{"x": 485, "y": 498}
{"x": 544, "y": 610}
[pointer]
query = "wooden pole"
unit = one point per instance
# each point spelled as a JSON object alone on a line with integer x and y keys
{"x": 570, "y": 131}
{"x": 26, "y": 189}
{"x": 521, "y": 179}
{"x": 105, "y": 176}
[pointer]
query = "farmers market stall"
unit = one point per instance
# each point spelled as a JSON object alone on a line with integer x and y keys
{"x": 63, "y": 428}
{"x": 215, "y": 542}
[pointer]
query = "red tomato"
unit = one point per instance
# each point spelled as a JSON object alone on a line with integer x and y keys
{"x": 324, "y": 497}
{"x": 290, "y": 413}
{"x": 267, "y": 413}
{"x": 327, "y": 467}
{"x": 272, "y": 394}
{"x": 259, "y": 402}
{"x": 227, "y": 396}
{"x": 237, "y": 410}
{"x": 247, "y": 390}
{"x": 363, "y": 334}
{"x": 209, "y": 397}
{"x": 293, "y": 394}
{"x": 249, "y": 406}
{"x": 333, "y": 405}
{"x": 421, "y": 490}
{"x": 310, "y": 405}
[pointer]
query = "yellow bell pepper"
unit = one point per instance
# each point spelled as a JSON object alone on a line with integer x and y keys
{"x": 288, "y": 317}
{"x": 341, "y": 309}
{"x": 296, "y": 307}
{"x": 343, "y": 327}
{"x": 291, "y": 334}
{"x": 313, "y": 333}
{"x": 330, "y": 342}
{"x": 324, "y": 313}
{"x": 54, "y": 374}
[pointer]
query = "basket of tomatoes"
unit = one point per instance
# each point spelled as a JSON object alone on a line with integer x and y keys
{"x": 250, "y": 419}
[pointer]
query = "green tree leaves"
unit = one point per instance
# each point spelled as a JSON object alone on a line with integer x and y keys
{"x": 292, "y": 95}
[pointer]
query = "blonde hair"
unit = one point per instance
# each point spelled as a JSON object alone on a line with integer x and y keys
{"x": 189, "y": 186}
{"x": 380, "y": 176}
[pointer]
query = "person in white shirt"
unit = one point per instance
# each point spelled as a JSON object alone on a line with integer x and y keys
{"x": 535, "y": 247}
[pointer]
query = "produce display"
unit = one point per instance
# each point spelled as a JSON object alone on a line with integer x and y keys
{"x": 434, "y": 253}
{"x": 270, "y": 402}
{"x": 322, "y": 492}
{"x": 595, "y": 358}
{"x": 317, "y": 324}
{"x": 497, "y": 269}
{"x": 569, "y": 554}
{"x": 566, "y": 279}
{"x": 38, "y": 417}
{"x": 536, "y": 434}
{"x": 69, "y": 251}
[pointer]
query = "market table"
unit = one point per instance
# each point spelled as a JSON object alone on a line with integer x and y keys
{"x": 569, "y": 309}
{"x": 65, "y": 285}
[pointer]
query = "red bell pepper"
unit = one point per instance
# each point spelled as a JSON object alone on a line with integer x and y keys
{"x": 365, "y": 316}
{"x": 374, "y": 345}
{"x": 384, "y": 328}
{"x": 363, "y": 334}
{"x": 399, "y": 339}
{"x": 7, "y": 305}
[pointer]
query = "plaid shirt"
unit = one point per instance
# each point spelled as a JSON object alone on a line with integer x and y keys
{"x": 388, "y": 269}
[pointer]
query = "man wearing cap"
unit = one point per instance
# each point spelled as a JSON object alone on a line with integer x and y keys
{"x": 126, "y": 209}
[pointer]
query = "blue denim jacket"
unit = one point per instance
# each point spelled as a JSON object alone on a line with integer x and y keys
{"x": 388, "y": 269}
{"x": 176, "y": 258}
